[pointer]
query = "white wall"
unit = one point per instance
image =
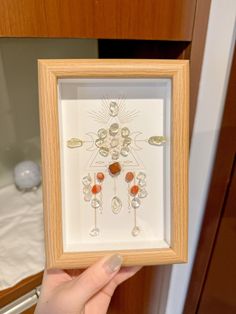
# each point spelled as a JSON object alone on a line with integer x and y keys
{"x": 213, "y": 85}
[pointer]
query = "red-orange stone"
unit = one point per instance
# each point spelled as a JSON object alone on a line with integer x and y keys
{"x": 134, "y": 190}
{"x": 115, "y": 169}
{"x": 129, "y": 176}
{"x": 100, "y": 176}
{"x": 96, "y": 189}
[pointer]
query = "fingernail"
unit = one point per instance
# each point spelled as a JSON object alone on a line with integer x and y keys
{"x": 113, "y": 263}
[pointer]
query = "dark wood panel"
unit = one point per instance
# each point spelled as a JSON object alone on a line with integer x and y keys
{"x": 131, "y": 19}
{"x": 219, "y": 292}
{"x": 216, "y": 196}
{"x": 9, "y": 295}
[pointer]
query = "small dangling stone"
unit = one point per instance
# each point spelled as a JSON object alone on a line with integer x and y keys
{"x": 99, "y": 142}
{"x": 141, "y": 176}
{"x": 136, "y": 230}
{"x": 156, "y": 140}
{"x": 87, "y": 180}
{"x": 100, "y": 176}
{"x": 127, "y": 141}
{"x": 95, "y": 203}
{"x": 142, "y": 193}
{"x": 124, "y": 151}
{"x": 96, "y": 189}
{"x": 134, "y": 190}
{"x": 135, "y": 203}
{"x": 94, "y": 232}
{"x": 129, "y": 176}
{"x": 115, "y": 154}
{"x": 88, "y": 197}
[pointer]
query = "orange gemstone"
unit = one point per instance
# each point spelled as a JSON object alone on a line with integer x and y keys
{"x": 115, "y": 169}
{"x": 129, "y": 176}
{"x": 134, "y": 190}
{"x": 100, "y": 176}
{"x": 96, "y": 189}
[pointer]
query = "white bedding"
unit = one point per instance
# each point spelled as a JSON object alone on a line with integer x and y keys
{"x": 21, "y": 235}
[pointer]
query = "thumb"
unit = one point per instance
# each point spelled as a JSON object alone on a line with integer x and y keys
{"x": 96, "y": 277}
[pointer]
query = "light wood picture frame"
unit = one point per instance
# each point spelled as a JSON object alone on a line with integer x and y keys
{"x": 150, "y": 89}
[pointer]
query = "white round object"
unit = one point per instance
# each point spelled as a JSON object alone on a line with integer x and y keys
{"x": 27, "y": 175}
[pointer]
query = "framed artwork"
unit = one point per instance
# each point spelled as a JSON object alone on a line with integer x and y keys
{"x": 114, "y": 138}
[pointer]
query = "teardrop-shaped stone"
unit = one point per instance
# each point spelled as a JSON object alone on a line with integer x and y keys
{"x": 116, "y": 205}
{"x": 113, "y": 109}
{"x": 95, "y": 203}
{"x": 74, "y": 142}
{"x": 124, "y": 151}
{"x": 94, "y": 232}
{"x": 104, "y": 151}
{"x": 141, "y": 176}
{"x": 142, "y": 193}
{"x": 136, "y": 230}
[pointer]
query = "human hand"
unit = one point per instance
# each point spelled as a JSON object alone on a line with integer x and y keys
{"x": 82, "y": 292}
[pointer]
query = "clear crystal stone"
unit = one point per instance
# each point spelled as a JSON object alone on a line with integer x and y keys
{"x": 142, "y": 183}
{"x": 115, "y": 154}
{"x": 102, "y": 133}
{"x": 87, "y": 197}
{"x": 127, "y": 141}
{"x": 142, "y": 193}
{"x": 141, "y": 176}
{"x": 87, "y": 180}
{"x": 104, "y": 151}
{"x": 135, "y": 203}
{"x": 156, "y": 140}
{"x": 125, "y": 132}
{"x": 113, "y": 109}
{"x": 114, "y": 142}
{"x": 94, "y": 232}
{"x": 114, "y": 128}
{"x": 136, "y": 230}
{"x": 116, "y": 205}
{"x": 87, "y": 189}
{"x": 95, "y": 203}
{"x": 99, "y": 142}
{"x": 124, "y": 151}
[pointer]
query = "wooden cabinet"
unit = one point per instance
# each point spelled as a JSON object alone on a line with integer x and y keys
{"x": 129, "y": 19}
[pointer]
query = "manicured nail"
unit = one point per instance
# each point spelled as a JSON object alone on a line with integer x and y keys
{"x": 113, "y": 263}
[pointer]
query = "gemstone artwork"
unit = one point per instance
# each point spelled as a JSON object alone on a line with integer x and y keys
{"x": 95, "y": 203}
{"x": 102, "y": 133}
{"x": 136, "y": 230}
{"x": 114, "y": 142}
{"x": 113, "y": 109}
{"x": 100, "y": 176}
{"x": 74, "y": 142}
{"x": 135, "y": 203}
{"x": 125, "y": 132}
{"x": 116, "y": 205}
{"x": 142, "y": 183}
{"x": 134, "y": 190}
{"x": 156, "y": 140}
{"x": 129, "y": 176}
{"x": 114, "y": 169}
{"x": 114, "y": 129}
{"x": 94, "y": 232}
{"x": 87, "y": 180}
{"x": 96, "y": 189}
